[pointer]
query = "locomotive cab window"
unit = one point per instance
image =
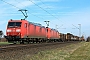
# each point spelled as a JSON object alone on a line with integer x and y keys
{"x": 14, "y": 24}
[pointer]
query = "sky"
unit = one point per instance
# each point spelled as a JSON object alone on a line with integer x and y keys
{"x": 67, "y": 16}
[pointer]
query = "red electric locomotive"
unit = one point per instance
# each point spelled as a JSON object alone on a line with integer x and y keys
{"x": 52, "y": 35}
{"x": 22, "y": 30}
{"x": 16, "y": 29}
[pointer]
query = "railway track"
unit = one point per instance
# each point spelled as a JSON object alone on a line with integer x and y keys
{"x": 12, "y": 47}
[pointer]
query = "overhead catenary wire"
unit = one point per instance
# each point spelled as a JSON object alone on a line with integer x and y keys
{"x": 19, "y": 8}
{"x": 44, "y": 4}
{"x": 10, "y": 4}
{"x": 44, "y": 10}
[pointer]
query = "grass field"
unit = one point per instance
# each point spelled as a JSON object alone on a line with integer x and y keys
{"x": 4, "y": 43}
{"x": 82, "y": 53}
{"x": 79, "y": 51}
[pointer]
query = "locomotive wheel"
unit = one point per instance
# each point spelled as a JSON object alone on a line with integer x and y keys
{"x": 28, "y": 42}
{"x": 22, "y": 42}
{"x": 14, "y": 42}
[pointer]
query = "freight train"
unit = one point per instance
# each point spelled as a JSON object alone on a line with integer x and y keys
{"x": 25, "y": 31}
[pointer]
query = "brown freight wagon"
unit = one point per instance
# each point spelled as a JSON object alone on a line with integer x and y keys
{"x": 62, "y": 37}
{"x": 68, "y": 36}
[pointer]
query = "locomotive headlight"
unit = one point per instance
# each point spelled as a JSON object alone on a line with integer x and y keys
{"x": 18, "y": 30}
{"x": 8, "y": 30}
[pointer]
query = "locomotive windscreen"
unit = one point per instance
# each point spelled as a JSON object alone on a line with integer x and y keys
{"x": 14, "y": 24}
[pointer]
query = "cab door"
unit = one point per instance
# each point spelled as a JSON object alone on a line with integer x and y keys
{"x": 26, "y": 29}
